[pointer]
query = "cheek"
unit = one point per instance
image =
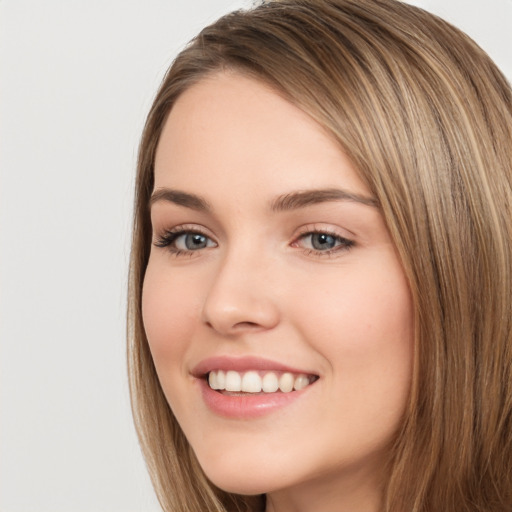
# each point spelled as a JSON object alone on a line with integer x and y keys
{"x": 363, "y": 326}
{"x": 168, "y": 311}
{"x": 368, "y": 304}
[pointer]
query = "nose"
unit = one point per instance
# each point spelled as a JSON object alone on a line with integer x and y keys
{"x": 241, "y": 297}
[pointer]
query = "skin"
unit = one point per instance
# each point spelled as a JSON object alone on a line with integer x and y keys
{"x": 259, "y": 288}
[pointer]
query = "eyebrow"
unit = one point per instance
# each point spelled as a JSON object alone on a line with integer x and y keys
{"x": 301, "y": 199}
{"x": 180, "y": 198}
{"x": 285, "y": 202}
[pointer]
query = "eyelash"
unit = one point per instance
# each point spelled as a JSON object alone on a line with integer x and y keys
{"x": 344, "y": 244}
{"x": 167, "y": 239}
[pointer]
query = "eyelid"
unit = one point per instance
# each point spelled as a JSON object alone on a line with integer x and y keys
{"x": 167, "y": 236}
{"x": 308, "y": 230}
{"x": 319, "y": 227}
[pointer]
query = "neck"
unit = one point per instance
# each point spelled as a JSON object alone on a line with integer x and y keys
{"x": 356, "y": 492}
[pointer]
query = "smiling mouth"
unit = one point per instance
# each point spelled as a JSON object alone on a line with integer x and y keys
{"x": 258, "y": 382}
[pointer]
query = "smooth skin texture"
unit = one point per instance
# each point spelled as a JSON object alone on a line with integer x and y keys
{"x": 257, "y": 282}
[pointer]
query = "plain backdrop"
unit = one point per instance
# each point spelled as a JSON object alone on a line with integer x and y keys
{"x": 77, "y": 78}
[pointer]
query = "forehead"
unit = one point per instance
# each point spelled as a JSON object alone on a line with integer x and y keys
{"x": 232, "y": 130}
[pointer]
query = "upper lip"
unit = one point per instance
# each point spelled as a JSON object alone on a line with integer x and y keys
{"x": 241, "y": 364}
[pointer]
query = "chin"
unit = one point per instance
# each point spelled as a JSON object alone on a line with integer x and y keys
{"x": 246, "y": 480}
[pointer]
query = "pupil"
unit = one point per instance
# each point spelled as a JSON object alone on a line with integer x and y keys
{"x": 323, "y": 241}
{"x": 195, "y": 241}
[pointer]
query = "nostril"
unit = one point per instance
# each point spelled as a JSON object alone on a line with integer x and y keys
{"x": 246, "y": 324}
{"x": 240, "y": 326}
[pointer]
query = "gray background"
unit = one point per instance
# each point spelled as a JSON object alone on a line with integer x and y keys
{"x": 76, "y": 80}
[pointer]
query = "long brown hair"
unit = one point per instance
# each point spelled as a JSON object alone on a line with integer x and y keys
{"x": 426, "y": 118}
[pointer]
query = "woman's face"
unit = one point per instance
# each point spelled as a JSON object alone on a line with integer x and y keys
{"x": 271, "y": 266}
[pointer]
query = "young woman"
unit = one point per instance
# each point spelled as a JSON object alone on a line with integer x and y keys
{"x": 320, "y": 304}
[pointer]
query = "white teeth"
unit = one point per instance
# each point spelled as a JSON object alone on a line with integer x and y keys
{"x": 221, "y": 379}
{"x": 286, "y": 382}
{"x": 251, "y": 382}
{"x": 212, "y": 380}
{"x": 257, "y": 382}
{"x": 233, "y": 381}
{"x": 300, "y": 382}
{"x": 270, "y": 384}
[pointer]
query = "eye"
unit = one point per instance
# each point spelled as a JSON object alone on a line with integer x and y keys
{"x": 192, "y": 242}
{"x": 322, "y": 242}
{"x": 182, "y": 241}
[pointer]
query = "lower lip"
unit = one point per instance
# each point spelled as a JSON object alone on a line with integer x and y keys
{"x": 249, "y": 405}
